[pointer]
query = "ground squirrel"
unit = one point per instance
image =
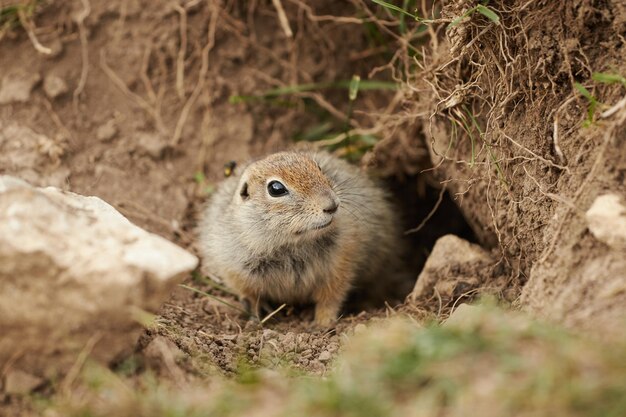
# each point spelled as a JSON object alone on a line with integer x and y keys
{"x": 298, "y": 227}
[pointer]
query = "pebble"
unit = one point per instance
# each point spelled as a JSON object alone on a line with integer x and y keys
{"x": 107, "y": 131}
{"x": 54, "y": 86}
{"x": 606, "y": 219}
{"x": 151, "y": 144}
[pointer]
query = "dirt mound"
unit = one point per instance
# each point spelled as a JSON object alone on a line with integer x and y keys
{"x": 509, "y": 101}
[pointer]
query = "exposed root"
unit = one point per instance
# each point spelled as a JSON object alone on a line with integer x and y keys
{"x": 119, "y": 83}
{"x": 80, "y": 22}
{"x": 30, "y": 31}
{"x": 204, "y": 68}
{"x": 282, "y": 18}
{"x": 180, "y": 60}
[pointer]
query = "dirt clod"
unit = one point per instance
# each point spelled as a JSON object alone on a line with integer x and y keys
{"x": 16, "y": 87}
{"x": 107, "y": 131}
{"x": 151, "y": 144}
{"x": 17, "y": 382}
{"x": 54, "y": 86}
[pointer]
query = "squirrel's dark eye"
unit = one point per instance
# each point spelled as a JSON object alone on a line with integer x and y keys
{"x": 277, "y": 189}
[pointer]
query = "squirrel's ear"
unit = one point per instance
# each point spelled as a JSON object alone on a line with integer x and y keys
{"x": 244, "y": 191}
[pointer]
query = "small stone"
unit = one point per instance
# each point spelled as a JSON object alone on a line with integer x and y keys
{"x": 606, "y": 219}
{"x": 151, "y": 144}
{"x": 107, "y": 131}
{"x": 324, "y": 356}
{"x": 20, "y": 383}
{"x": 54, "y": 86}
{"x": 288, "y": 342}
{"x": 16, "y": 87}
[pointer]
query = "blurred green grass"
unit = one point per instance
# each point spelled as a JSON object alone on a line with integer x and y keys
{"x": 485, "y": 361}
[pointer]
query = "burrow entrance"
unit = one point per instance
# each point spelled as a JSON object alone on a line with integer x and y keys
{"x": 426, "y": 213}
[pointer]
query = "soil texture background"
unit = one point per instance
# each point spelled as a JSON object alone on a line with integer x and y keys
{"x": 499, "y": 123}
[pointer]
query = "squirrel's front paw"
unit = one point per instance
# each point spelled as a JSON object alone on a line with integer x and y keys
{"x": 326, "y": 315}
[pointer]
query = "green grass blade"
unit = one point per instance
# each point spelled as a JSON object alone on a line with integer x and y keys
{"x": 592, "y": 103}
{"x": 468, "y": 130}
{"x": 394, "y": 7}
{"x": 607, "y": 78}
{"x": 456, "y": 21}
{"x": 584, "y": 92}
{"x": 301, "y": 88}
{"x": 460, "y": 18}
{"x": 488, "y": 13}
{"x": 354, "y": 87}
{"x": 363, "y": 85}
{"x": 199, "y": 177}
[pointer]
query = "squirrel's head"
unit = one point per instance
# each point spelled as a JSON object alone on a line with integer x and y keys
{"x": 287, "y": 196}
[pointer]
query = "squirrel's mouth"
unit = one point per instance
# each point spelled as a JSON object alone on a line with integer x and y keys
{"x": 316, "y": 227}
{"x": 321, "y": 226}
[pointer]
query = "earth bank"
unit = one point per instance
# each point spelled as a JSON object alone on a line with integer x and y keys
{"x": 142, "y": 103}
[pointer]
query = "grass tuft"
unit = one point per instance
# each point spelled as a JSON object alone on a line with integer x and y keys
{"x": 486, "y": 360}
{"x": 482, "y": 9}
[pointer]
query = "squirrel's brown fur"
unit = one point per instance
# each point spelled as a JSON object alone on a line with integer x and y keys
{"x": 334, "y": 226}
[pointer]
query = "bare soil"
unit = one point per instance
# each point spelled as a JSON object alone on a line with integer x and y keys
{"x": 135, "y": 105}
{"x": 531, "y": 159}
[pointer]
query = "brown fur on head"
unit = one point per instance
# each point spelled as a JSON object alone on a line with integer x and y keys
{"x": 285, "y": 197}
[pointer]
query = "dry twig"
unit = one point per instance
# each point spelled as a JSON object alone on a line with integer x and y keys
{"x": 30, "y": 31}
{"x": 282, "y": 18}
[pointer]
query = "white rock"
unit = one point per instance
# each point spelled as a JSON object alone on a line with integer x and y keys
{"x": 73, "y": 272}
{"x": 606, "y": 219}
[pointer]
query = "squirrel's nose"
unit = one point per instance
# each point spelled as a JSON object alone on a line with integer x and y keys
{"x": 331, "y": 207}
